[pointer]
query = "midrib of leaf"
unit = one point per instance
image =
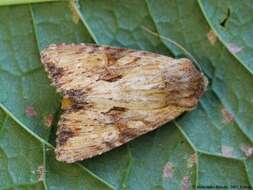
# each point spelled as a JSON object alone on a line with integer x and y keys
{"x": 193, "y": 148}
{"x": 247, "y": 173}
{"x": 163, "y": 39}
{"x": 76, "y": 8}
{"x": 15, "y": 2}
{"x": 129, "y": 166}
{"x": 4, "y": 121}
{"x": 24, "y": 127}
{"x": 219, "y": 36}
{"x": 146, "y": 3}
{"x": 44, "y": 165}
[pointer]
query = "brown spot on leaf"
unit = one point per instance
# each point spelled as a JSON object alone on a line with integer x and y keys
{"x": 228, "y": 117}
{"x": 191, "y": 161}
{"x": 41, "y": 173}
{"x": 247, "y": 150}
{"x": 211, "y": 36}
{"x": 30, "y": 111}
{"x": 227, "y": 151}
{"x": 48, "y": 120}
{"x": 233, "y": 48}
{"x": 186, "y": 183}
{"x": 168, "y": 170}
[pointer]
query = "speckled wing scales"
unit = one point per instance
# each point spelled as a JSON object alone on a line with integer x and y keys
{"x": 118, "y": 94}
{"x": 74, "y": 68}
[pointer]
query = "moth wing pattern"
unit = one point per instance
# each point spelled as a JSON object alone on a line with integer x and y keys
{"x": 73, "y": 69}
{"x": 85, "y": 133}
{"x": 119, "y": 94}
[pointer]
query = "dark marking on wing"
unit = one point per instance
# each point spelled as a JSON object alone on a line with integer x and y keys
{"x": 64, "y": 134}
{"x": 114, "y": 54}
{"x": 55, "y": 72}
{"x": 75, "y": 93}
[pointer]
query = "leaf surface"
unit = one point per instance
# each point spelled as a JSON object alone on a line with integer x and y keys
{"x": 232, "y": 22}
{"x": 211, "y": 145}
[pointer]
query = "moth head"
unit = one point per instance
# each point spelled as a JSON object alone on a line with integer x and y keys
{"x": 184, "y": 83}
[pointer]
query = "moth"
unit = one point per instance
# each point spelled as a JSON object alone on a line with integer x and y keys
{"x": 116, "y": 95}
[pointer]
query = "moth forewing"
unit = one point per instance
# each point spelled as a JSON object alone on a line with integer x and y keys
{"x": 118, "y": 94}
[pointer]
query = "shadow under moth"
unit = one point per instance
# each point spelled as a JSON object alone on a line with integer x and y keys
{"x": 117, "y": 94}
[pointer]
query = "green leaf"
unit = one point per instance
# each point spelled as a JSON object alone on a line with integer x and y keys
{"x": 213, "y": 169}
{"x": 11, "y": 2}
{"x": 211, "y": 145}
{"x": 28, "y": 162}
{"x": 121, "y": 24}
{"x": 232, "y": 22}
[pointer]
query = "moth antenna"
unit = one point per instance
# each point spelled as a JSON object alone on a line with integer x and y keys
{"x": 176, "y": 44}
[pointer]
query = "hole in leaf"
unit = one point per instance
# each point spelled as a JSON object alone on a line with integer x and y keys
{"x": 225, "y": 20}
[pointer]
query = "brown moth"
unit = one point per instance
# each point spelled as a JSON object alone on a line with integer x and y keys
{"x": 118, "y": 94}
